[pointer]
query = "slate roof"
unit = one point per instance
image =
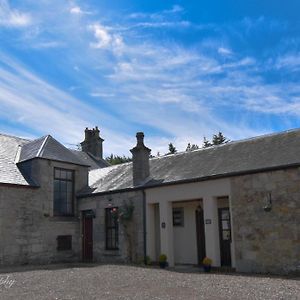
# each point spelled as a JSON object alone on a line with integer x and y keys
{"x": 9, "y": 172}
{"x": 245, "y": 156}
{"x": 14, "y": 151}
{"x": 48, "y": 148}
{"x": 90, "y": 160}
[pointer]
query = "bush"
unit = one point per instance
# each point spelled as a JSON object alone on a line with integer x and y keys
{"x": 207, "y": 261}
{"x": 162, "y": 258}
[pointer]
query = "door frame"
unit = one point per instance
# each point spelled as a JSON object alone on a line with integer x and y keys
{"x": 200, "y": 232}
{"x": 225, "y": 258}
{"x": 87, "y": 216}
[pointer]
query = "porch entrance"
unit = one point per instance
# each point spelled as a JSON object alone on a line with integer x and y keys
{"x": 225, "y": 236}
{"x": 87, "y": 236}
{"x": 200, "y": 234}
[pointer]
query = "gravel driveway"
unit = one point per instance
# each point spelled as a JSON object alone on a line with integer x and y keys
{"x": 130, "y": 282}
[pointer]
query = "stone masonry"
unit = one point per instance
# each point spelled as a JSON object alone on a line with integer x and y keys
{"x": 267, "y": 241}
{"x": 99, "y": 203}
{"x": 28, "y": 228}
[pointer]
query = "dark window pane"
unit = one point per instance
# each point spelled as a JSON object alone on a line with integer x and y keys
{"x": 69, "y": 175}
{"x": 63, "y": 193}
{"x": 57, "y": 173}
{"x": 178, "y": 216}
{"x": 111, "y": 222}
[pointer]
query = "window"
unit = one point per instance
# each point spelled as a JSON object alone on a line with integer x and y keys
{"x": 178, "y": 216}
{"x": 112, "y": 228}
{"x": 64, "y": 242}
{"x": 63, "y": 192}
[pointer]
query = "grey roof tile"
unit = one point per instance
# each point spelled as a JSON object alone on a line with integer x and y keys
{"x": 91, "y": 160}
{"x": 49, "y": 148}
{"x": 15, "y": 151}
{"x": 264, "y": 152}
{"x": 9, "y": 172}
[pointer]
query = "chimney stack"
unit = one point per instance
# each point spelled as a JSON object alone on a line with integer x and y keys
{"x": 93, "y": 142}
{"x": 140, "y": 160}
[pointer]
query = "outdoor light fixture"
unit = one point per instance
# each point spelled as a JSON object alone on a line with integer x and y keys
{"x": 268, "y": 202}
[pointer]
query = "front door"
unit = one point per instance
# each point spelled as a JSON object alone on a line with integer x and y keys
{"x": 200, "y": 234}
{"x": 225, "y": 236}
{"x": 87, "y": 237}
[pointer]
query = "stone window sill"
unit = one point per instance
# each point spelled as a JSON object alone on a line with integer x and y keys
{"x": 63, "y": 219}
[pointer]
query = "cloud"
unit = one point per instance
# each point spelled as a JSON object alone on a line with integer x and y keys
{"x": 224, "y": 51}
{"x": 180, "y": 24}
{"x": 104, "y": 39}
{"x": 76, "y": 10}
{"x": 12, "y": 17}
{"x": 129, "y": 80}
{"x": 27, "y": 99}
{"x": 288, "y": 61}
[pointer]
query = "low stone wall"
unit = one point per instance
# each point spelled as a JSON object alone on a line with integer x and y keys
{"x": 267, "y": 241}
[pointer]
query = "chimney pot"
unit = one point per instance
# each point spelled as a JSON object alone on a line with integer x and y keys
{"x": 93, "y": 142}
{"x": 140, "y": 160}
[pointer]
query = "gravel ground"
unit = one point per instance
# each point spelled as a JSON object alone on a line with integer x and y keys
{"x": 131, "y": 282}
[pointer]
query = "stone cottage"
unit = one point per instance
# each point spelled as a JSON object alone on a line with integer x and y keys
{"x": 236, "y": 203}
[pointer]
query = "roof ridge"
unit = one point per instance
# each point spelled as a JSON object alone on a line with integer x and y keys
{"x": 245, "y": 140}
{"x": 46, "y": 138}
{"x": 14, "y": 136}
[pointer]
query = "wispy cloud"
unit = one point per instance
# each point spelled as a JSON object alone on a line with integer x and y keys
{"x": 105, "y": 39}
{"x": 130, "y": 80}
{"x": 289, "y": 61}
{"x": 11, "y": 17}
{"x": 77, "y": 10}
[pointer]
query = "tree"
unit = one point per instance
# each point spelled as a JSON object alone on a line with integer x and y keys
{"x": 191, "y": 147}
{"x": 217, "y": 139}
{"x": 116, "y": 159}
{"x": 172, "y": 149}
{"x": 206, "y": 143}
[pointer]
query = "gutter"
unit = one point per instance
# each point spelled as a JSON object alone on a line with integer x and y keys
{"x": 144, "y": 225}
{"x": 191, "y": 180}
{"x": 15, "y": 185}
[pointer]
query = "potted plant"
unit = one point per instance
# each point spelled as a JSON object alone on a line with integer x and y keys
{"x": 207, "y": 262}
{"x": 162, "y": 261}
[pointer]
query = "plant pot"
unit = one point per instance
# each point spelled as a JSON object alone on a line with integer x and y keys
{"x": 207, "y": 268}
{"x": 163, "y": 264}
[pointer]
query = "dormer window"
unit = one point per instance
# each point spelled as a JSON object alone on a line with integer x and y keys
{"x": 63, "y": 192}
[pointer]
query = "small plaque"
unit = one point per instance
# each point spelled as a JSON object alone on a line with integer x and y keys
{"x": 163, "y": 225}
{"x": 207, "y": 221}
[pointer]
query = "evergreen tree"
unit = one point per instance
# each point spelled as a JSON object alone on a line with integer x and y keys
{"x": 116, "y": 159}
{"x": 219, "y": 139}
{"x": 172, "y": 149}
{"x": 191, "y": 147}
{"x": 206, "y": 143}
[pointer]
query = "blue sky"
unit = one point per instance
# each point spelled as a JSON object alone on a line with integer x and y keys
{"x": 177, "y": 70}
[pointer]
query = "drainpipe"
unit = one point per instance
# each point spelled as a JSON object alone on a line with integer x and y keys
{"x": 144, "y": 224}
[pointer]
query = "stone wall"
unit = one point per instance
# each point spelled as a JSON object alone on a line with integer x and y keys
{"x": 267, "y": 241}
{"x": 99, "y": 204}
{"x": 28, "y": 228}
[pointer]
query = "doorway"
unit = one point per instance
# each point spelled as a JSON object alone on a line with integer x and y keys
{"x": 87, "y": 236}
{"x": 200, "y": 231}
{"x": 225, "y": 236}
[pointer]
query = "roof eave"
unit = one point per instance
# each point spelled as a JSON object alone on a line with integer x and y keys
{"x": 56, "y": 160}
{"x": 191, "y": 180}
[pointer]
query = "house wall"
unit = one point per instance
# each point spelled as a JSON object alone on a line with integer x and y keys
{"x": 165, "y": 196}
{"x": 27, "y": 226}
{"x": 267, "y": 241}
{"x": 136, "y": 228}
{"x": 185, "y": 237}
